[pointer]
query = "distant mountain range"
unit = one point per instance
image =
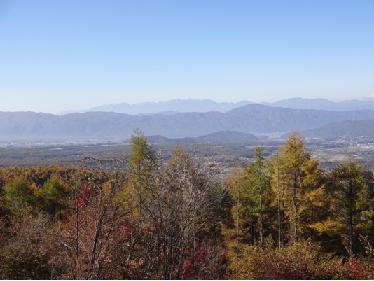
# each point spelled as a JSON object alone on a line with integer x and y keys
{"x": 248, "y": 119}
{"x": 324, "y": 104}
{"x": 171, "y": 106}
{"x": 196, "y": 105}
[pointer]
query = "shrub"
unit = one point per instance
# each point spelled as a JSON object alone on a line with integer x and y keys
{"x": 303, "y": 260}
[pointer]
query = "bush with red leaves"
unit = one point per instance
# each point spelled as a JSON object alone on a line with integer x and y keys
{"x": 205, "y": 263}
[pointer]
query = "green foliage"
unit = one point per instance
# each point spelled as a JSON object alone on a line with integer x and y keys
{"x": 143, "y": 160}
{"x": 19, "y": 193}
{"x": 222, "y": 203}
{"x": 53, "y": 196}
{"x": 349, "y": 198}
{"x": 251, "y": 191}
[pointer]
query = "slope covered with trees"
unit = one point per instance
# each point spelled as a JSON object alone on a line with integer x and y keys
{"x": 279, "y": 218}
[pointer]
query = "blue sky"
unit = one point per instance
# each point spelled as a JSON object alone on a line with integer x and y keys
{"x": 75, "y": 54}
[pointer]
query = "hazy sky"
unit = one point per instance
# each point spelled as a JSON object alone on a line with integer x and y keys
{"x": 75, "y": 54}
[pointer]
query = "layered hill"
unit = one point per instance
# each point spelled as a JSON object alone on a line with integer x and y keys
{"x": 252, "y": 119}
{"x": 217, "y": 138}
{"x": 349, "y": 128}
{"x": 324, "y": 104}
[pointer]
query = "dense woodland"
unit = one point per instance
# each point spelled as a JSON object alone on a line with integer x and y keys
{"x": 279, "y": 218}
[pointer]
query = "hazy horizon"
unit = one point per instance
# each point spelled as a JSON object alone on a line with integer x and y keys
{"x": 75, "y": 55}
{"x": 235, "y": 104}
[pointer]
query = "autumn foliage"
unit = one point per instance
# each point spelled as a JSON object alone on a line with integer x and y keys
{"x": 284, "y": 217}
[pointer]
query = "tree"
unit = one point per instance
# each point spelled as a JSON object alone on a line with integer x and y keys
{"x": 187, "y": 199}
{"x": 261, "y": 190}
{"x": 54, "y": 197}
{"x": 28, "y": 248}
{"x": 349, "y": 195}
{"x": 143, "y": 166}
{"x": 18, "y": 194}
{"x": 251, "y": 188}
{"x": 368, "y": 212}
{"x": 176, "y": 233}
{"x": 295, "y": 177}
{"x": 143, "y": 160}
{"x": 91, "y": 239}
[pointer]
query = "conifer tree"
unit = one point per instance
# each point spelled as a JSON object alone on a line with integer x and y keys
{"x": 295, "y": 177}
{"x": 349, "y": 195}
{"x": 143, "y": 165}
{"x": 253, "y": 194}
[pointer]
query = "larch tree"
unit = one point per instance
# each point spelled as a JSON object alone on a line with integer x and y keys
{"x": 349, "y": 195}
{"x": 255, "y": 196}
{"x": 295, "y": 175}
{"x": 143, "y": 166}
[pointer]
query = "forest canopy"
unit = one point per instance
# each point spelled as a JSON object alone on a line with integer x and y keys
{"x": 282, "y": 217}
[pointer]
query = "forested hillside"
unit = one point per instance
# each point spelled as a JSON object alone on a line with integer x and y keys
{"x": 283, "y": 217}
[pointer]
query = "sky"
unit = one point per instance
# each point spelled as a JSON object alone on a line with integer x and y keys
{"x": 75, "y": 54}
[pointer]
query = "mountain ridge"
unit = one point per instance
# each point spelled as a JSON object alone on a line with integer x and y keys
{"x": 207, "y": 105}
{"x": 325, "y": 104}
{"x": 251, "y": 119}
{"x": 175, "y": 105}
{"x": 348, "y": 128}
{"x": 221, "y": 137}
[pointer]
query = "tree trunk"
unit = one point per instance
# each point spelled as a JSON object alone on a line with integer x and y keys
{"x": 261, "y": 228}
{"x": 237, "y": 217}
{"x": 278, "y": 203}
{"x": 350, "y": 221}
{"x": 76, "y": 239}
{"x": 294, "y": 209}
